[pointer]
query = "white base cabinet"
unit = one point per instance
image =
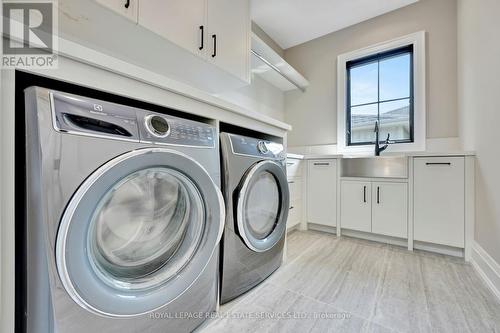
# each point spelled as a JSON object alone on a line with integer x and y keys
{"x": 322, "y": 192}
{"x": 390, "y": 209}
{"x": 355, "y": 205}
{"x": 375, "y": 207}
{"x": 295, "y": 177}
{"x": 439, "y": 200}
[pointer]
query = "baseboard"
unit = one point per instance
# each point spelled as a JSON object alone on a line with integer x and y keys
{"x": 375, "y": 237}
{"x": 293, "y": 228}
{"x": 441, "y": 249}
{"x": 487, "y": 268}
{"x": 322, "y": 228}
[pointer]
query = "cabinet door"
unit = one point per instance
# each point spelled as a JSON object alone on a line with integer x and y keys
{"x": 294, "y": 214}
{"x": 128, "y": 9}
{"x": 355, "y": 205}
{"x": 439, "y": 200}
{"x": 390, "y": 209}
{"x": 179, "y": 21}
{"x": 322, "y": 192}
{"x": 229, "y": 36}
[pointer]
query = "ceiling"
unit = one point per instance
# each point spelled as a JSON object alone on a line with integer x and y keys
{"x": 293, "y": 22}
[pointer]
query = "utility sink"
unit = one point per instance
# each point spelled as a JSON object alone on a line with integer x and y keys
{"x": 375, "y": 167}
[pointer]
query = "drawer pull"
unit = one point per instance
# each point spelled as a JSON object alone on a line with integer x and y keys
{"x": 291, "y": 207}
{"x": 364, "y": 194}
{"x": 438, "y": 163}
{"x": 378, "y": 194}
{"x": 291, "y": 182}
{"x": 321, "y": 163}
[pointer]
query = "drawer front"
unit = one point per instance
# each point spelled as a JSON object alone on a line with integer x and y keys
{"x": 439, "y": 199}
{"x": 293, "y": 168}
{"x": 295, "y": 187}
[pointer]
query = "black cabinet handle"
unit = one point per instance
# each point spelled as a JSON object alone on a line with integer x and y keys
{"x": 378, "y": 194}
{"x": 364, "y": 194}
{"x": 321, "y": 163}
{"x": 438, "y": 163}
{"x": 291, "y": 182}
{"x": 214, "y": 54}
{"x": 202, "y": 37}
{"x": 127, "y": 4}
{"x": 291, "y": 207}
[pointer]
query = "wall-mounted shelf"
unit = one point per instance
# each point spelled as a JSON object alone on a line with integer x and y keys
{"x": 273, "y": 68}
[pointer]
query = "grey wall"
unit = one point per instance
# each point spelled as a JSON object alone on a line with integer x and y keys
{"x": 313, "y": 114}
{"x": 479, "y": 88}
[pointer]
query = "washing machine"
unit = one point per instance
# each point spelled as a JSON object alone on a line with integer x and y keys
{"x": 124, "y": 217}
{"x": 255, "y": 190}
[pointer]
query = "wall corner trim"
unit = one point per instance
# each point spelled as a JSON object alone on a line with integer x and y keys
{"x": 487, "y": 268}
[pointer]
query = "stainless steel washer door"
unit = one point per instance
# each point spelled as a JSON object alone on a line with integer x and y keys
{"x": 138, "y": 232}
{"x": 263, "y": 204}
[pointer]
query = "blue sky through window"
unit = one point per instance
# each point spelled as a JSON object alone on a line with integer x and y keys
{"x": 374, "y": 85}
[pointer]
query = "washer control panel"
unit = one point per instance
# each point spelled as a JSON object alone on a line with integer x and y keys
{"x": 244, "y": 145}
{"x": 164, "y": 129}
{"x": 85, "y": 116}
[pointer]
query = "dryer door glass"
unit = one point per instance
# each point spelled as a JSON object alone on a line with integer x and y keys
{"x": 263, "y": 203}
{"x": 140, "y": 224}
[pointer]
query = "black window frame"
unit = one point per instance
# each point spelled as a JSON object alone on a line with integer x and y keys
{"x": 377, "y": 57}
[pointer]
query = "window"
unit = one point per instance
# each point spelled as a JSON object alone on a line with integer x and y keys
{"x": 384, "y": 82}
{"x": 380, "y": 88}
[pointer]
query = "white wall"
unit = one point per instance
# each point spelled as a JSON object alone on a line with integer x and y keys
{"x": 260, "y": 96}
{"x": 479, "y": 110}
{"x": 267, "y": 39}
{"x": 313, "y": 113}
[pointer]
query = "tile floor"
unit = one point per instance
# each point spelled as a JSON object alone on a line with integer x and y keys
{"x": 329, "y": 284}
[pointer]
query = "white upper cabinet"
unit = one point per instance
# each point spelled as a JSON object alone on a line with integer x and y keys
{"x": 126, "y": 8}
{"x": 439, "y": 199}
{"x": 202, "y": 43}
{"x": 390, "y": 209}
{"x": 355, "y": 206}
{"x": 229, "y": 36}
{"x": 180, "y": 21}
{"x": 322, "y": 192}
{"x": 216, "y": 30}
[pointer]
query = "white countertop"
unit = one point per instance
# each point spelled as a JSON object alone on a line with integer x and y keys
{"x": 408, "y": 154}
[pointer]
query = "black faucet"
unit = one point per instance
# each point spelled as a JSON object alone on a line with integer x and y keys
{"x": 379, "y": 149}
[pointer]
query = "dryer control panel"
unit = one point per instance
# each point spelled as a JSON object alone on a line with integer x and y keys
{"x": 243, "y": 145}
